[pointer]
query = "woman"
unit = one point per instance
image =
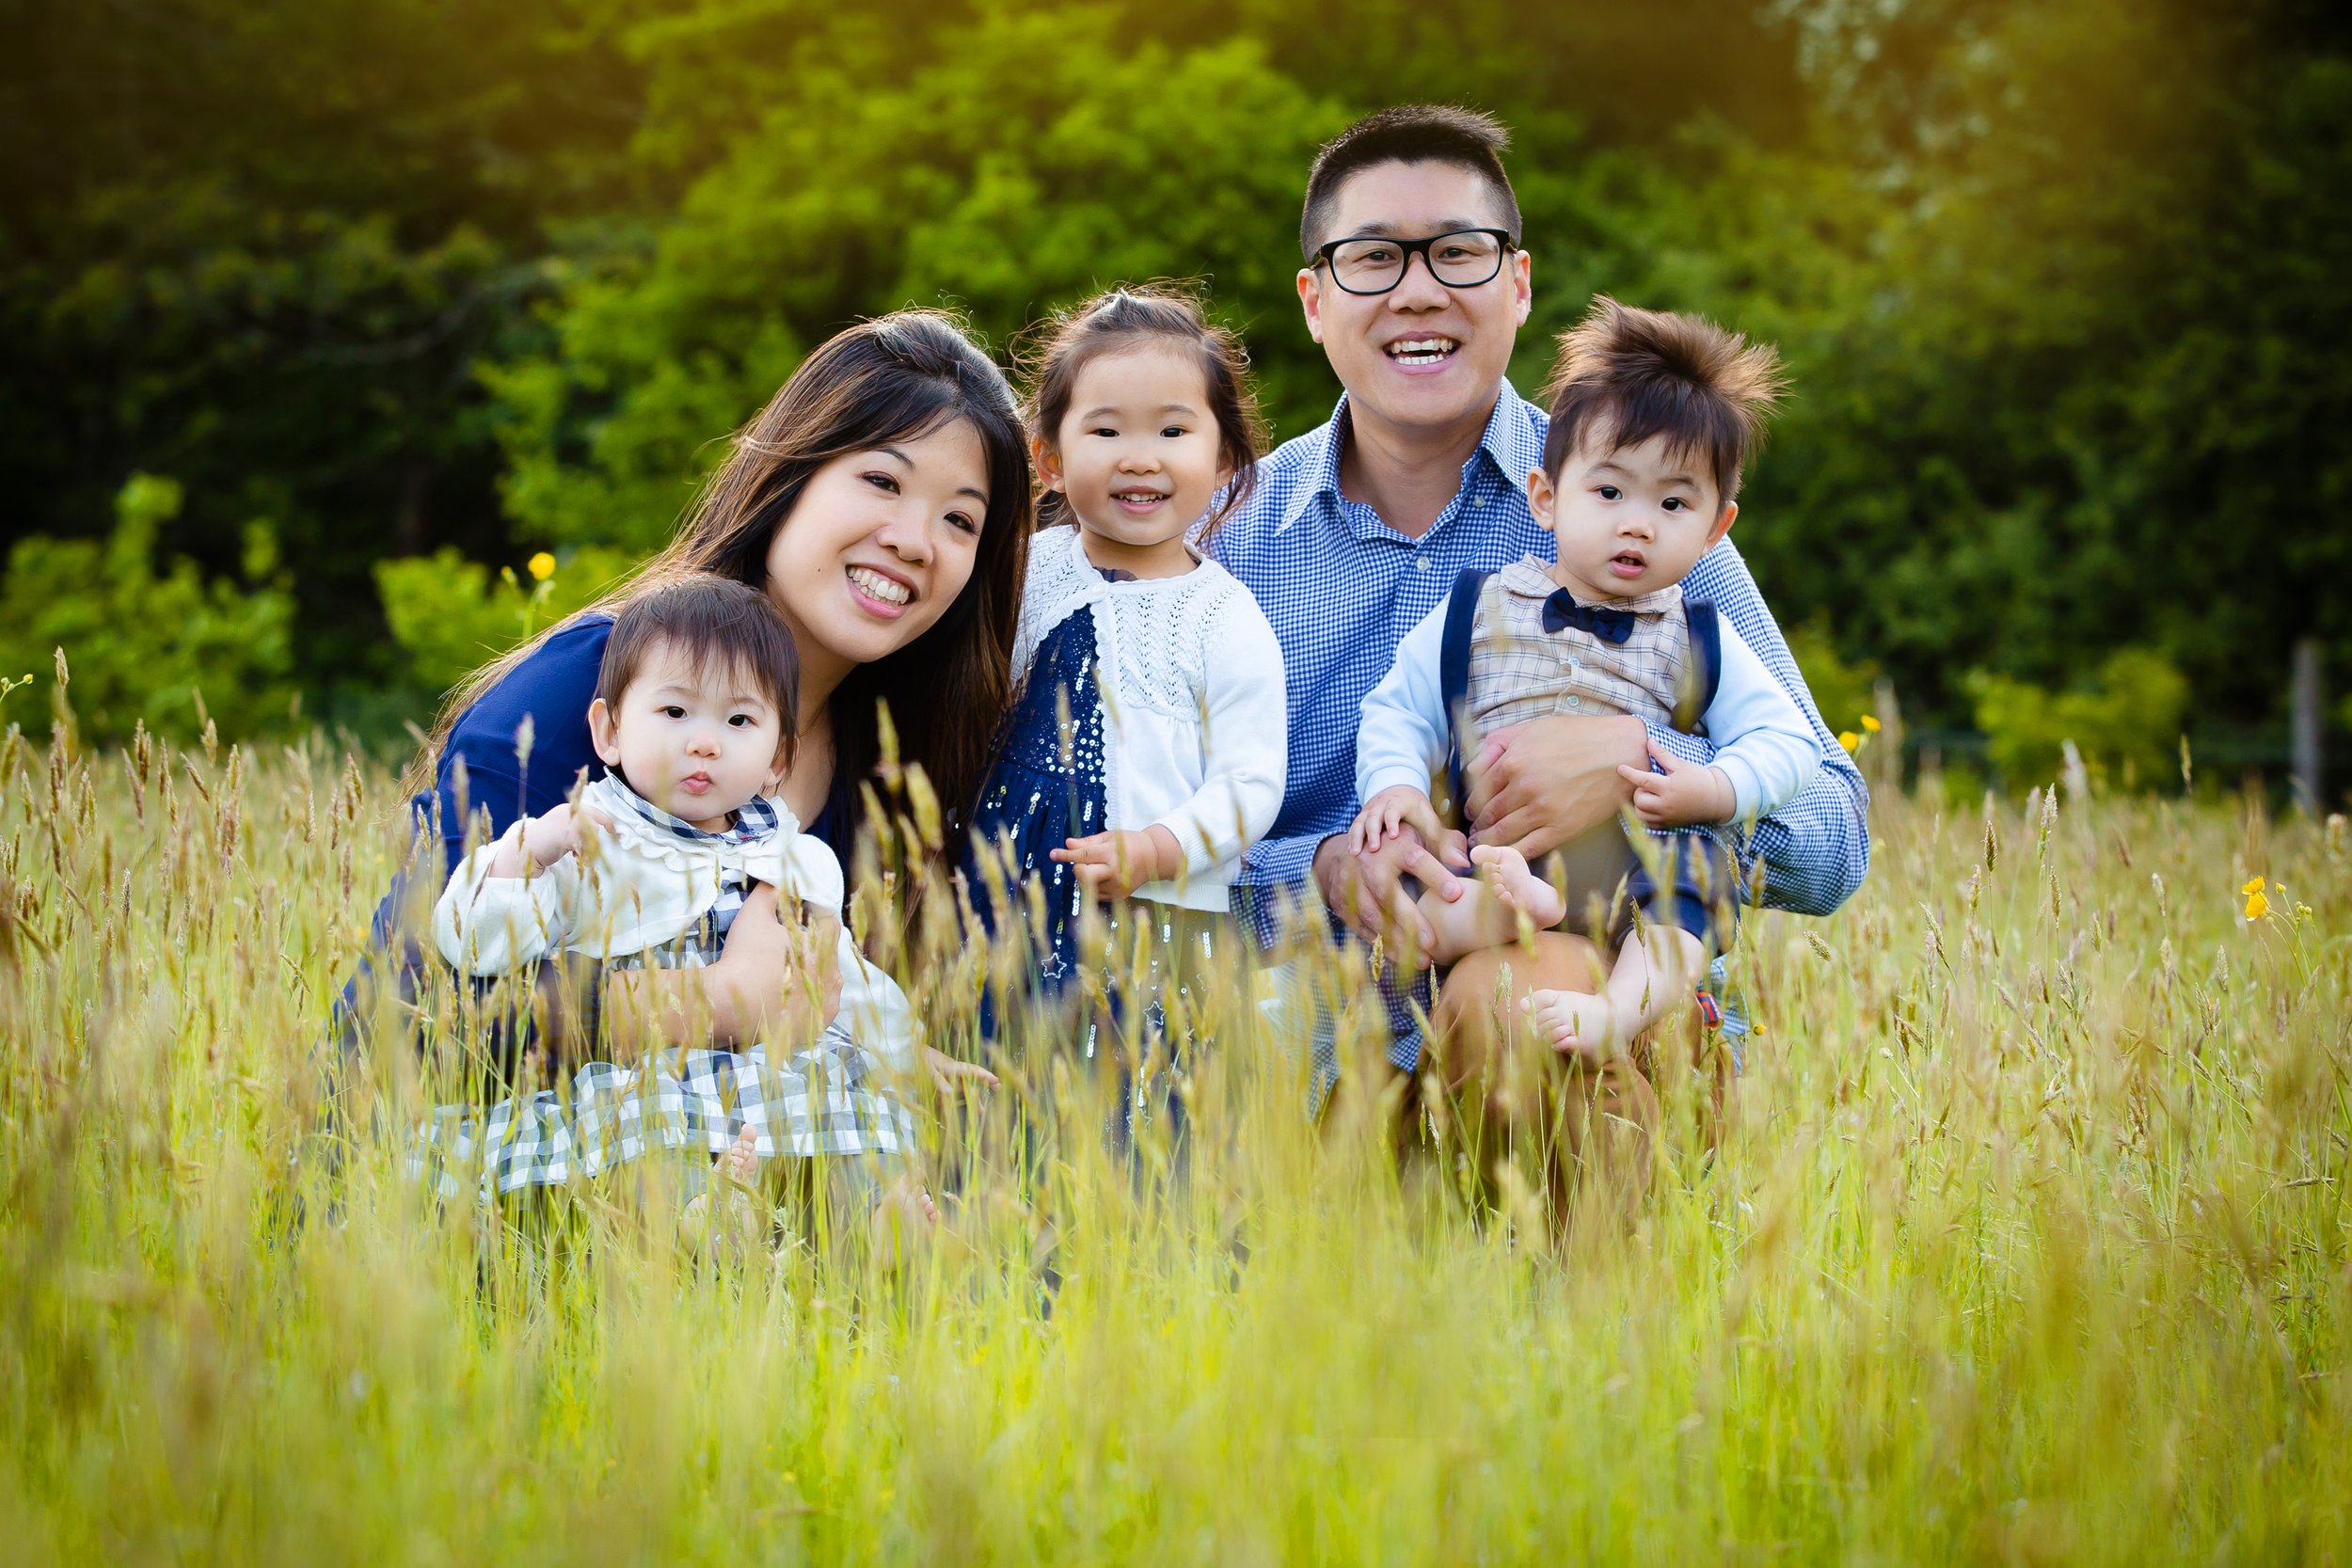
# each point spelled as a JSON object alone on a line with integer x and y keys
{"x": 882, "y": 501}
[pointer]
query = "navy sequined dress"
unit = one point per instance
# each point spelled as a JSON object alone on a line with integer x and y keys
{"x": 1045, "y": 787}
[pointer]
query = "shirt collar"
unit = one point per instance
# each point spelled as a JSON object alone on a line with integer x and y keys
{"x": 1089, "y": 573}
{"x": 1530, "y": 579}
{"x": 755, "y": 819}
{"x": 1509, "y": 448}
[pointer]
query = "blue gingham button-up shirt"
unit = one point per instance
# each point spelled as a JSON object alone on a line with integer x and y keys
{"x": 1342, "y": 589}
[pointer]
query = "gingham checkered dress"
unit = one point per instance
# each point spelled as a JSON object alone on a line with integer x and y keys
{"x": 824, "y": 1100}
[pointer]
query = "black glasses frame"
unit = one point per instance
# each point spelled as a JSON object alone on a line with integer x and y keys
{"x": 1504, "y": 246}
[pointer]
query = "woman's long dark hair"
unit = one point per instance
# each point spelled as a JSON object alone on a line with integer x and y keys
{"x": 895, "y": 378}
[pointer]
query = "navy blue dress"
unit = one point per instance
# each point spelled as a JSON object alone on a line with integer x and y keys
{"x": 1044, "y": 787}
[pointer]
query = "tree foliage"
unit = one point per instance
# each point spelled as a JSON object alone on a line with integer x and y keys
{"x": 2058, "y": 279}
{"x": 168, "y": 649}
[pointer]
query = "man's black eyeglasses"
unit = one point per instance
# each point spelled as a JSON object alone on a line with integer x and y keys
{"x": 1373, "y": 264}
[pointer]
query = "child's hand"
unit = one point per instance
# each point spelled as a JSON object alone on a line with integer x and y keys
{"x": 1113, "y": 864}
{"x": 1577, "y": 1024}
{"x": 952, "y": 1075}
{"x": 562, "y": 830}
{"x": 1687, "y": 795}
{"x": 545, "y": 839}
{"x": 1384, "y": 814}
{"x": 551, "y": 836}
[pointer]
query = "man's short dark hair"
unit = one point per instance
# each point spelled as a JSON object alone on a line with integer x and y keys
{"x": 1408, "y": 133}
{"x": 713, "y": 621}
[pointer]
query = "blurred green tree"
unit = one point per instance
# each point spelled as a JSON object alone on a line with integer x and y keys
{"x": 167, "y": 648}
{"x": 1001, "y": 166}
{"x": 2058, "y": 279}
{"x": 259, "y": 247}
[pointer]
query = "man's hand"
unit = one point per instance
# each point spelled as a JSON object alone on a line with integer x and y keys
{"x": 1361, "y": 889}
{"x": 1536, "y": 785}
{"x": 1113, "y": 864}
{"x": 1389, "y": 813}
{"x": 1686, "y": 795}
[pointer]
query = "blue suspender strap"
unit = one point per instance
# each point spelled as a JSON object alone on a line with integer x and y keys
{"x": 1706, "y": 670}
{"x": 1461, "y": 610}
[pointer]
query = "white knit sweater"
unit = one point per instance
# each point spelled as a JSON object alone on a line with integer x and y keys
{"x": 1194, "y": 718}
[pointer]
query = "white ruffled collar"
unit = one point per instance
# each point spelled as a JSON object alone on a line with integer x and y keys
{"x": 645, "y": 831}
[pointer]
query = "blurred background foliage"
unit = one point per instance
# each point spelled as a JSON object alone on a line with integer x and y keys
{"x": 386, "y": 297}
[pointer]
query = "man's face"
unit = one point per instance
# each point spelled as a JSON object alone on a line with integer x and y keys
{"x": 1381, "y": 345}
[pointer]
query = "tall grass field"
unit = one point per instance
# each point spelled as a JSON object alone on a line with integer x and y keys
{"x": 2024, "y": 1237}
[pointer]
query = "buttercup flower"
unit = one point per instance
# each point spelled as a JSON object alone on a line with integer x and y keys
{"x": 541, "y": 566}
{"x": 1870, "y": 725}
{"x": 2256, "y": 904}
{"x": 1848, "y": 740}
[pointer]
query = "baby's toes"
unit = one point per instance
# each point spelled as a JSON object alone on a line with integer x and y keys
{"x": 741, "y": 1159}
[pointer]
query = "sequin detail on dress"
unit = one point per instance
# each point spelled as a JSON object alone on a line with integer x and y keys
{"x": 1045, "y": 787}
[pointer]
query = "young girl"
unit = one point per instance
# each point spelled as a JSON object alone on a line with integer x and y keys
{"x": 1147, "y": 747}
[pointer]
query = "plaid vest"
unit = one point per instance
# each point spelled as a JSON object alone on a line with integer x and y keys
{"x": 1518, "y": 671}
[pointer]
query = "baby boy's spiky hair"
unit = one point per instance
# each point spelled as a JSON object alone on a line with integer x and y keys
{"x": 1624, "y": 375}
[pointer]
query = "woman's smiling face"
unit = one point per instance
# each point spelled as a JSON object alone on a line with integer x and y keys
{"x": 876, "y": 549}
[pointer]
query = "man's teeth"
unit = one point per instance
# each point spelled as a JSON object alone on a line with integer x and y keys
{"x": 876, "y": 586}
{"x": 1421, "y": 351}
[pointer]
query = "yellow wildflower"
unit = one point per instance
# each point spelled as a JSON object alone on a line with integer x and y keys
{"x": 1849, "y": 740}
{"x": 542, "y": 567}
{"x": 1870, "y": 725}
{"x": 2255, "y": 903}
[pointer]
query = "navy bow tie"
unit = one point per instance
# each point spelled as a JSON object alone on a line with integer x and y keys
{"x": 1562, "y": 612}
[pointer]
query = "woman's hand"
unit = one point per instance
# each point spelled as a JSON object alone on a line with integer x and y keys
{"x": 1111, "y": 865}
{"x": 777, "y": 980}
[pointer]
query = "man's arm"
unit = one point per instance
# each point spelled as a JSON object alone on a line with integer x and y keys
{"x": 1538, "y": 785}
{"x": 1816, "y": 848}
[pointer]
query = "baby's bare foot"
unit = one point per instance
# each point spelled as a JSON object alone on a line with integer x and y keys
{"x": 731, "y": 1207}
{"x": 1515, "y": 883}
{"x": 1576, "y": 1023}
{"x": 904, "y": 1213}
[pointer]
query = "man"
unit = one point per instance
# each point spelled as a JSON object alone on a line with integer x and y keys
{"x": 1358, "y": 530}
